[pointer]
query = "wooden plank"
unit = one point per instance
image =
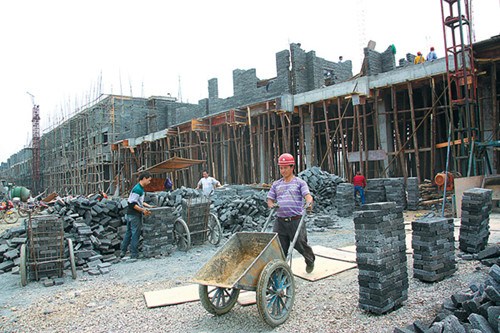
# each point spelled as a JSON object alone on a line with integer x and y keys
{"x": 172, "y": 296}
{"x": 247, "y": 298}
{"x": 330, "y": 253}
{"x": 323, "y": 268}
{"x": 373, "y": 155}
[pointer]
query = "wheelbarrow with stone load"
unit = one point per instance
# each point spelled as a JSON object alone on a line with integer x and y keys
{"x": 45, "y": 251}
{"x": 196, "y": 224}
{"x": 252, "y": 261}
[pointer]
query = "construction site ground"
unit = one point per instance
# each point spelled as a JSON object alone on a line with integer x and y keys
{"x": 115, "y": 302}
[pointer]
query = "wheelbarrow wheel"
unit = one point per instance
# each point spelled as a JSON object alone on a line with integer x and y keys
{"x": 275, "y": 292}
{"x": 214, "y": 230}
{"x": 72, "y": 259}
{"x": 23, "y": 270}
{"x": 10, "y": 216}
{"x": 217, "y": 300}
{"x": 182, "y": 237}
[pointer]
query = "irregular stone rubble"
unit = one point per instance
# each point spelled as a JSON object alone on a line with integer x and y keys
{"x": 97, "y": 227}
{"x": 323, "y": 187}
{"x": 476, "y": 309}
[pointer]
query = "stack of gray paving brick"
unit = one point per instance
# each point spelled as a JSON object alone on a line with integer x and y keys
{"x": 344, "y": 199}
{"x": 433, "y": 249}
{"x": 413, "y": 194}
{"x": 395, "y": 191}
{"x": 375, "y": 190}
{"x": 381, "y": 257}
{"x": 474, "y": 228}
{"x": 157, "y": 237}
{"x": 195, "y": 212}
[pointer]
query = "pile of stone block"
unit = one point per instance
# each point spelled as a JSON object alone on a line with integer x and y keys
{"x": 242, "y": 213}
{"x": 344, "y": 199}
{"x": 433, "y": 248}
{"x": 413, "y": 193}
{"x": 157, "y": 235}
{"x": 474, "y": 228}
{"x": 475, "y": 309}
{"x": 375, "y": 190}
{"x": 395, "y": 191}
{"x": 323, "y": 188}
{"x": 381, "y": 257}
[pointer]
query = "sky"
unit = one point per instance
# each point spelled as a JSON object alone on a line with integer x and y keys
{"x": 65, "y": 53}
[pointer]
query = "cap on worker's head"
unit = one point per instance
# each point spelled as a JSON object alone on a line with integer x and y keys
{"x": 419, "y": 53}
{"x": 432, "y": 48}
{"x": 286, "y": 159}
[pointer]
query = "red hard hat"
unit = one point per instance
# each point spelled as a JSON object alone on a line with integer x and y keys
{"x": 286, "y": 159}
{"x": 419, "y": 53}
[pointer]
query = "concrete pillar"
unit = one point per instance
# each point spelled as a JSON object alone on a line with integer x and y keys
{"x": 385, "y": 133}
{"x": 307, "y": 140}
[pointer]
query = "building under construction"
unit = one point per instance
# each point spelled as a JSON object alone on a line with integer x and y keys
{"x": 404, "y": 120}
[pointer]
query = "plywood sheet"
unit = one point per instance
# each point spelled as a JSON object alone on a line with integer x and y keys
{"x": 172, "y": 296}
{"x": 327, "y": 252}
{"x": 323, "y": 268}
{"x": 462, "y": 185}
{"x": 247, "y": 298}
{"x": 350, "y": 248}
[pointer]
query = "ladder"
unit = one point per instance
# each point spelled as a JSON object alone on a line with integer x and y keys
{"x": 462, "y": 83}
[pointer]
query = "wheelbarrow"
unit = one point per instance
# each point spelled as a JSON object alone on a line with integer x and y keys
{"x": 252, "y": 261}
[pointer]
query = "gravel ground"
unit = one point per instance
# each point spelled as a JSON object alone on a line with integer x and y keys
{"x": 115, "y": 302}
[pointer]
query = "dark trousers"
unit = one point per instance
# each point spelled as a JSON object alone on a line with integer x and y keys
{"x": 134, "y": 227}
{"x": 286, "y": 233}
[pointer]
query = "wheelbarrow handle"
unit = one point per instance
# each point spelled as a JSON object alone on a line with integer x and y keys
{"x": 273, "y": 209}
{"x": 292, "y": 244}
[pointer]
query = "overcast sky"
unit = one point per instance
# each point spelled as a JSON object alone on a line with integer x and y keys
{"x": 59, "y": 50}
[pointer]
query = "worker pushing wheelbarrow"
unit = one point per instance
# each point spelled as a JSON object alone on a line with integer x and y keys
{"x": 255, "y": 261}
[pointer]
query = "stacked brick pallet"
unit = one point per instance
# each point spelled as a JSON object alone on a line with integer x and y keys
{"x": 395, "y": 191}
{"x": 413, "y": 193}
{"x": 474, "y": 229}
{"x": 345, "y": 199}
{"x": 433, "y": 249}
{"x": 381, "y": 257}
{"x": 157, "y": 237}
{"x": 375, "y": 190}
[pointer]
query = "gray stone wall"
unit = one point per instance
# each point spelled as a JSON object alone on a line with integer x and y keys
{"x": 379, "y": 62}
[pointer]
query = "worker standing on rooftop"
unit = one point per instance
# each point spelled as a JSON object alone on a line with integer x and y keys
{"x": 432, "y": 55}
{"x": 289, "y": 193}
{"x": 419, "y": 59}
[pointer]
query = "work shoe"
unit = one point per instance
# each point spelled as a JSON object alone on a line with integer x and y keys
{"x": 122, "y": 254}
{"x": 310, "y": 267}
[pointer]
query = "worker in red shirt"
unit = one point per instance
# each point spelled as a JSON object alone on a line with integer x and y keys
{"x": 359, "y": 182}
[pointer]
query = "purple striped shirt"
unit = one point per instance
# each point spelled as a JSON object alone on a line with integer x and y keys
{"x": 289, "y": 196}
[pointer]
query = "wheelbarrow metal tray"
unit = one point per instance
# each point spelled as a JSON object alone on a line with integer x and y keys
{"x": 240, "y": 261}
